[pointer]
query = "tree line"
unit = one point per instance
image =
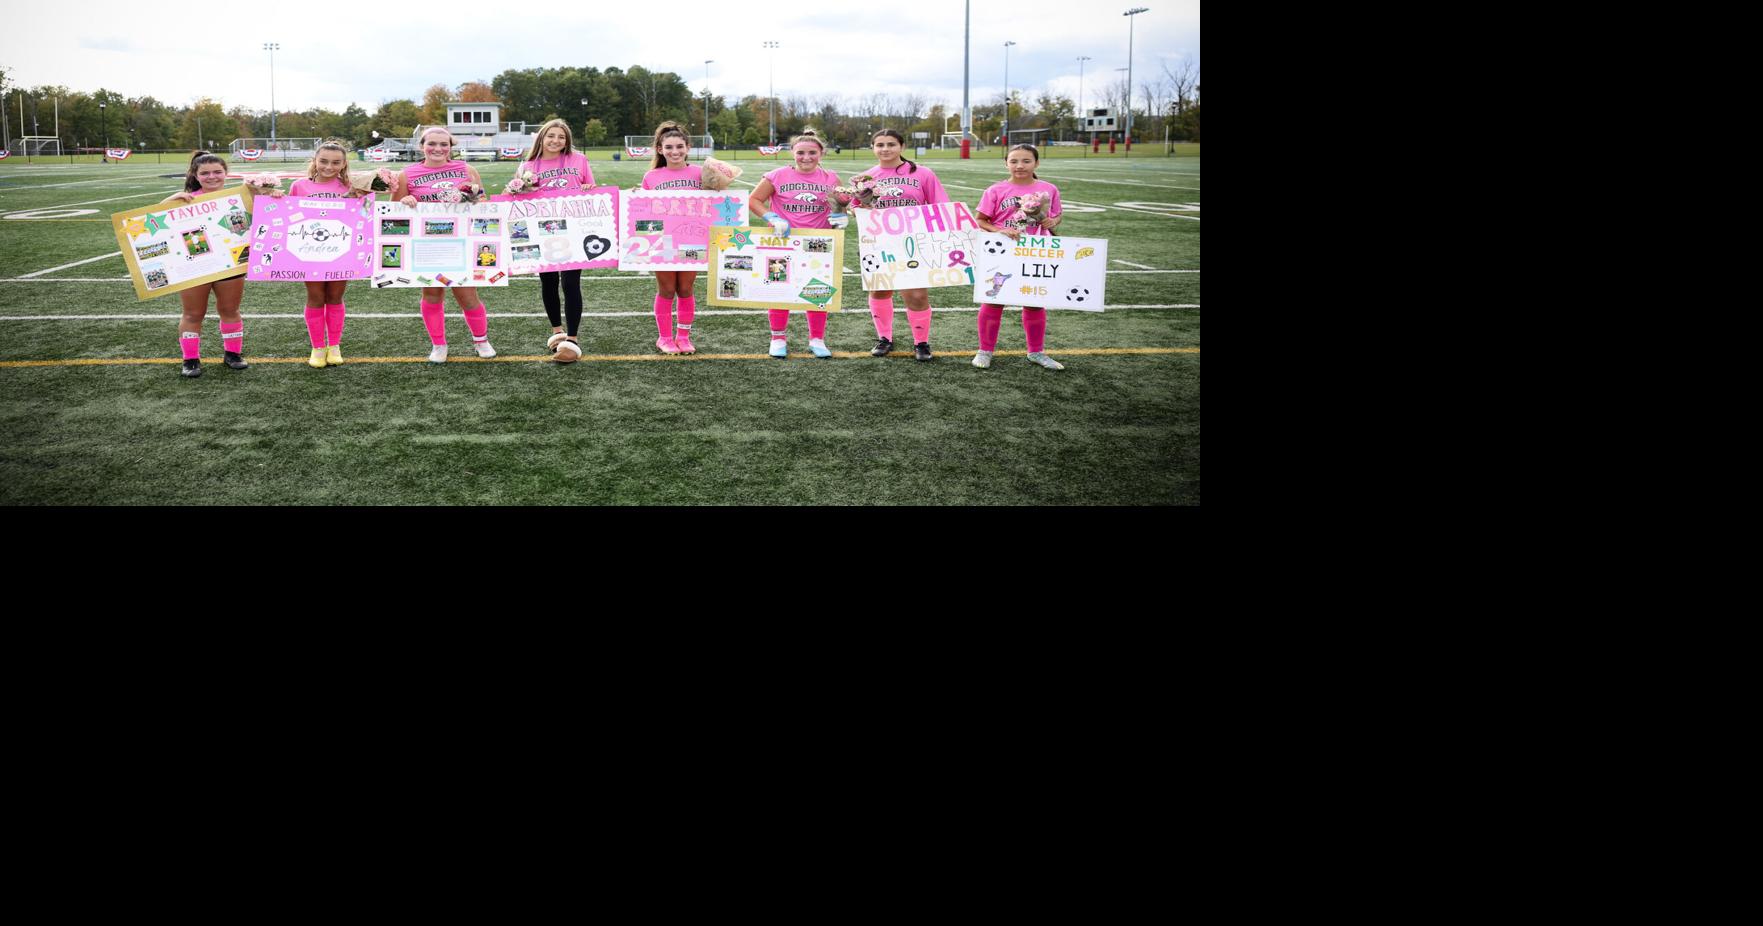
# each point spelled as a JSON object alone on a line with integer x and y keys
{"x": 601, "y": 107}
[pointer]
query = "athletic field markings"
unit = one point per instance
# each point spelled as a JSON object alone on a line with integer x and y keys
{"x": 1131, "y": 264}
{"x": 164, "y": 317}
{"x": 76, "y": 263}
{"x": 521, "y": 280}
{"x": 586, "y": 358}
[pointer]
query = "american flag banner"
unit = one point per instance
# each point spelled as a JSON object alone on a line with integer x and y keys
{"x": 119, "y": 154}
{"x": 769, "y": 150}
{"x": 639, "y": 152}
{"x": 250, "y": 154}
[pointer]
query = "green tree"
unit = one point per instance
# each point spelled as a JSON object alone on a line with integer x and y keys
{"x": 202, "y": 123}
{"x": 726, "y": 126}
{"x": 593, "y": 134}
{"x": 396, "y": 120}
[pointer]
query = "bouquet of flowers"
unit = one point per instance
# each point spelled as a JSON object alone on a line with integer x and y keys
{"x": 837, "y": 202}
{"x": 263, "y": 184}
{"x": 862, "y": 191}
{"x": 363, "y": 182}
{"x": 1031, "y": 212}
{"x": 469, "y": 194}
{"x": 717, "y": 175}
{"x": 524, "y": 182}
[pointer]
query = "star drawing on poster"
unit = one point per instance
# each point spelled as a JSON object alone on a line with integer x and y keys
{"x": 740, "y": 239}
{"x": 156, "y": 223}
{"x": 729, "y": 210}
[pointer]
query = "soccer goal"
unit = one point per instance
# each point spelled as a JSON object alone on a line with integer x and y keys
{"x": 952, "y": 140}
{"x": 38, "y": 146}
{"x": 278, "y": 149}
{"x": 643, "y": 146}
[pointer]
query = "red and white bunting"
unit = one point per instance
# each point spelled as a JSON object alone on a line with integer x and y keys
{"x": 639, "y": 152}
{"x": 378, "y": 154}
{"x": 250, "y": 154}
{"x": 120, "y": 154}
{"x": 769, "y": 150}
{"x": 4, "y": 155}
{"x": 511, "y": 152}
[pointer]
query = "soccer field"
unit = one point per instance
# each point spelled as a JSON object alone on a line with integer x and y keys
{"x": 94, "y": 411}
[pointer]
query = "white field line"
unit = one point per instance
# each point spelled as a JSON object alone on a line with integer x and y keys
{"x": 1131, "y": 264}
{"x": 86, "y": 203}
{"x": 45, "y": 186}
{"x": 649, "y": 314}
{"x": 523, "y": 280}
{"x": 89, "y": 260}
{"x": 1132, "y": 209}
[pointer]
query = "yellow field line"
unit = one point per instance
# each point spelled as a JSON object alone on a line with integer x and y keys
{"x": 587, "y": 358}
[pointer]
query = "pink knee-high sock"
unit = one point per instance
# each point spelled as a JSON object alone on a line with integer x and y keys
{"x": 664, "y": 316}
{"x": 477, "y": 319}
{"x": 817, "y": 325}
{"x": 434, "y": 318}
{"x": 333, "y": 319}
{"x": 882, "y": 311}
{"x": 1034, "y": 328}
{"x": 232, "y": 336}
{"x": 190, "y": 342}
{"x": 920, "y": 322}
{"x": 688, "y": 306}
{"x": 780, "y": 322}
{"x": 990, "y": 317}
{"x": 315, "y": 326}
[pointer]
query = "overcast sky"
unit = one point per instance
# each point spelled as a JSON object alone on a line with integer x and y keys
{"x": 839, "y": 46}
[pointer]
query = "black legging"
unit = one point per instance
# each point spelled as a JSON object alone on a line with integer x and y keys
{"x": 572, "y": 297}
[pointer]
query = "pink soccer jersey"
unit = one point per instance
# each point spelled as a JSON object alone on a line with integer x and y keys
{"x": 903, "y": 186}
{"x": 428, "y": 184}
{"x": 999, "y": 203}
{"x": 570, "y": 172}
{"x": 689, "y": 177}
{"x": 314, "y": 189}
{"x": 801, "y": 197}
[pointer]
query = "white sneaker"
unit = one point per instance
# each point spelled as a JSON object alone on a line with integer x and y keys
{"x": 817, "y": 347}
{"x": 780, "y": 348}
{"x": 439, "y": 354}
{"x": 1045, "y": 361}
{"x": 484, "y": 349}
{"x": 982, "y": 359}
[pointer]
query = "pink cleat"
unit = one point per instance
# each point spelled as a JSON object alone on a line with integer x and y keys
{"x": 666, "y": 345}
{"x": 683, "y": 340}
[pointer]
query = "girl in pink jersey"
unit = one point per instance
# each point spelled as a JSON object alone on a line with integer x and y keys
{"x": 207, "y": 174}
{"x": 797, "y": 197}
{"x": 326, "y": 178}
{"x": 1001, "y": 202}
{"x": 671, "y": 172}
{"x": 556, "y": 165}
{"x": 430, "y": 181}
{"x": 901, "y": 183}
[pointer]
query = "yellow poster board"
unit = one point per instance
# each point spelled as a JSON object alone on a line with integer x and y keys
{"x": 751, "y": 268}
{"x": 173, "y": 246}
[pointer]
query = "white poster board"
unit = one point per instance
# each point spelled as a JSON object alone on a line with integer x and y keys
{"x": 440, "y": 244}
{"x": 916, "y": 247}
{"x": 1044, "y": 271}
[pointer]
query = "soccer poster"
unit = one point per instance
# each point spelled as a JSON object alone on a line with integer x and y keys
{"x": 670, "y": 229}
{"x": 316, "y": 240}
{"x": 752, "y": 268}
{"x": 440, "y": 244}
{"x": 916, "y": 247}
{"x": 174, "y": 246}
{"x": 1044, "y": 271}
{"x": 562, "y": 230}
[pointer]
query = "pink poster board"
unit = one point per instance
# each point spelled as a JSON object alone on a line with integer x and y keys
{"x": 299, "y": 239}
{"x": 670, "y": 229}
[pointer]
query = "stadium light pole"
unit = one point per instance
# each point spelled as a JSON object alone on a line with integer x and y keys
{"x": 1080, "y": 82}
{"x": 771, "y": 85}
{"x": 707, "y": 64}
{"x": 271, "y": 47}
{"x": 1004, "y": 141}
{"x": 104, "y": 118}
{"x": 1129, "y": 14}
{"x": 966, "y": 56}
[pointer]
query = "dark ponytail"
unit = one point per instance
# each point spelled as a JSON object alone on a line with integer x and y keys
{"x": 191, "y": 184}
{"x": 896, "y": 136}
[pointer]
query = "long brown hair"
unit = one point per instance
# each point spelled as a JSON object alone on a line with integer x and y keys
{"x": 191, "y": 184}
{"x": 896, "y": 136}
{"x": 538, "y": 149}
{"x": 1031, "y": 149}
{"x": 668, "y": 129}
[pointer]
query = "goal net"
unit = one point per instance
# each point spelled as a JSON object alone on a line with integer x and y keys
{"x": 643, "y": 146}
{"x": 279, "y": 149}
{"x": 34, "y": 145}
